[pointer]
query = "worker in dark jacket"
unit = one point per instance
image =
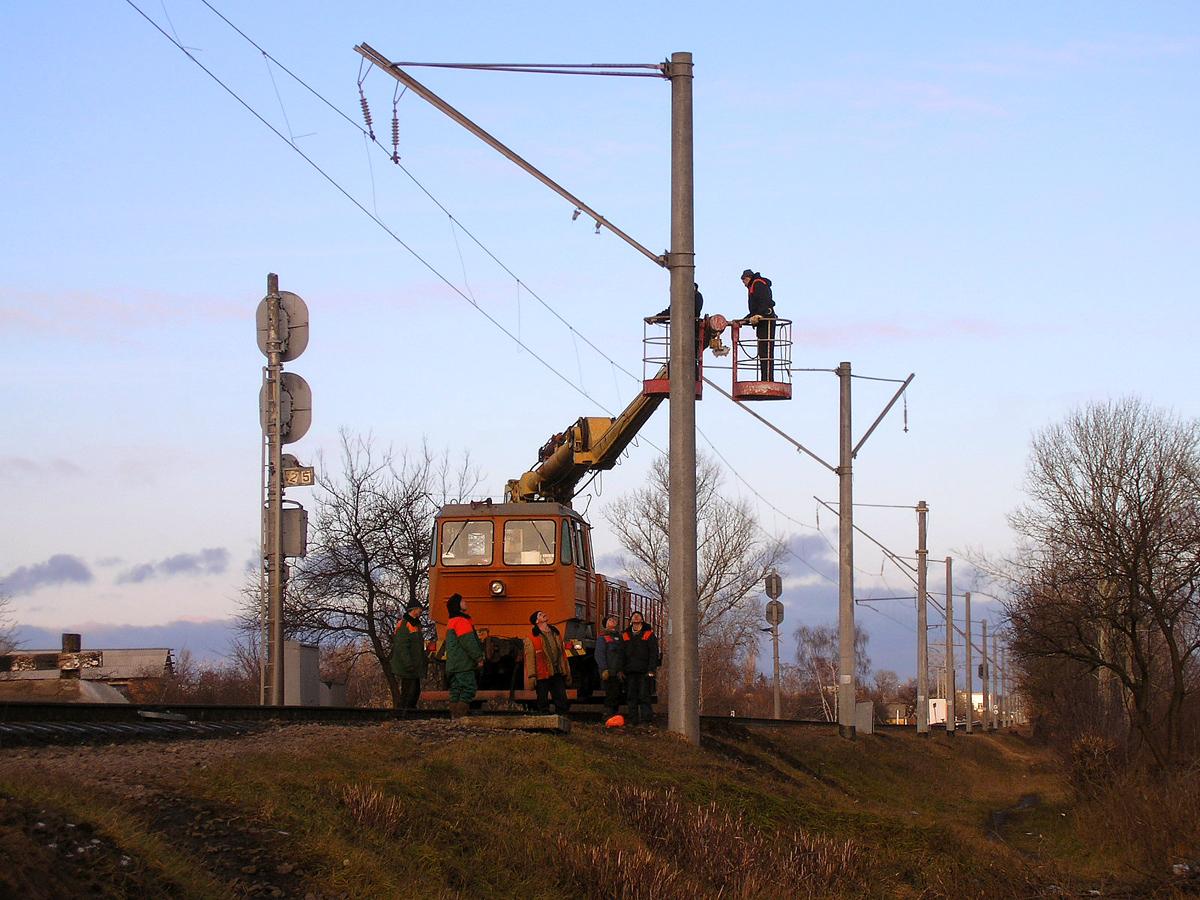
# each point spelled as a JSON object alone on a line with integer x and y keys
{"x": 639, "y": 661}
{"x": 608, "y": 661}
{"x": 701, "y": 337}
{"x": 408, "y": 655}
{"x": 546, "y": 664}
{"x": 464, "y": 654}
{"x": 761, "y": 304}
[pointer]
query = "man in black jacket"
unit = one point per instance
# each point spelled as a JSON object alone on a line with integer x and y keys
{"x": 762, "y": 316}
{"x": 639, "y": 662}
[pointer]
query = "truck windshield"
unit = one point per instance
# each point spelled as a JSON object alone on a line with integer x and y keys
{"x": 467, "y": 544}
{"x": 529, "y": 542}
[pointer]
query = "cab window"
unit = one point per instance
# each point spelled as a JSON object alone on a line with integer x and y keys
{"x": 529, "y": 542}
{"x": 567, "y": 543}
{"x": 467, "y": 543}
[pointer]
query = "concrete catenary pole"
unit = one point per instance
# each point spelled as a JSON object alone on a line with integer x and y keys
{"x": 846, "y": 686}
{"x": 274, "y": 510}
{"x": 987, "y": 667}
{"x": 1003, "y": 705}
{"x": 949, "y": 646}
{"x": 995, "y": 664}
{"x": 969, "y": 688}
{"x": 922, "y": 621}
{"x": 683, "y": 709}
{"x": 777, "y": 704}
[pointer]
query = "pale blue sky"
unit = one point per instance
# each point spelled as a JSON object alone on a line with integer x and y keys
{"x": 1002, "y": 200}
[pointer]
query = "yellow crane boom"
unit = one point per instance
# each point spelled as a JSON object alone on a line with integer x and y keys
{"x": 591, "y": 443}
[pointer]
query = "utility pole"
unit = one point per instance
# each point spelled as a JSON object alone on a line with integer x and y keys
{"x": 995, "y": 664}
{"x": 1003, "y": 687}
{"x": 683, "y": 709}
{"x": 922, "y": 622}
{"x": 274, "y": 511}
{"x": 774, "y": 614}
{"x": 285, "y": 413}
{"x": 984, "y": 668}
{"x": 846, "y": 686}
{"x": 949, "y": 646}
{"x": 967, "y": 662}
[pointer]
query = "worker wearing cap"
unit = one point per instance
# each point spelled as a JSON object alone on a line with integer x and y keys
{"x": 464, "y": 654}
{"x": 546, "y": 664}
{"x": 408, "y": 655}
{"x": 761, "y": 304}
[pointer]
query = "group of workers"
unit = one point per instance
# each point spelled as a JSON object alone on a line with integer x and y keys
{"x": 760, "y": 314}
{"x": 627, "y": 661}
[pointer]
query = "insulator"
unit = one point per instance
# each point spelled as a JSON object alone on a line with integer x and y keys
{"x": 395, "y": 137}
{"x": 597, "y": 228}
{"x": 575, "y": 215}
{"x": 362, "y": 98}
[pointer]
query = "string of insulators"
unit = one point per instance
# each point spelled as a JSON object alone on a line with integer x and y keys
{"x": 362, "y": 98}
{"x": 395, "y": 135}
{"x": 906, "y": 412}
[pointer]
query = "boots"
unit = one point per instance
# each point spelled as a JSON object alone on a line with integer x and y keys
{"x": 459, "y": 709}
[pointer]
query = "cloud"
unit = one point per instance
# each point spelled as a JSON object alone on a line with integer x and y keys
{"x": 25, "y": 468}
{"x": 97, "y": 315}
{"x": 893, "y": 330}
{"x": 810, "y": 555}
{"x": 210, "y": 561}
{"x": 207, "y": 639}
{"x": 62, "y": 568}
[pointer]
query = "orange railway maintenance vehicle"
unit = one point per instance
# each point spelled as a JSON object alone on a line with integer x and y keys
{"x": 534, "y": 552}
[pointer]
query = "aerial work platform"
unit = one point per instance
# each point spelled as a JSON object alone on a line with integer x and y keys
{"x": 761, "y": 360}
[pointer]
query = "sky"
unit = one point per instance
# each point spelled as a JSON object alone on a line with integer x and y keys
{"x": 1001, "y": 200}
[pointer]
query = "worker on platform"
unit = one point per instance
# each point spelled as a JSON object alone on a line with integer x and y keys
{"x": 639, "y": 658}
{"x": 761, "y": 304}
{"x": 608, "y": 661}
{"x": 464, "y": 654}
{"x": 701, "y": 337}
{"x": 408, "y": 654}
{"x": 666, "y": 313}
{"x": 546, "y": 664}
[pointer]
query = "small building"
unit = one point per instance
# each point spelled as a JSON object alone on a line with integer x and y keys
{"x": 896, "y": 712}
{"x": 71, "y": 674}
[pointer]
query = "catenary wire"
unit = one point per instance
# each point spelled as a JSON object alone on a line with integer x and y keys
{"x": 374, "y": 217}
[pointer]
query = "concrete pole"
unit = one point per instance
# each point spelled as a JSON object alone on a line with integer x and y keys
{"x": 987, "y": 667}
{"x": 922, "y": 622}
{"x": 683, "y": 709}
{"x": 995, "y": 664}
{"x": 949, "y": 646}
{"x": 274, "y": 510}
{"x": 846, "y": 687}
{"x": 775, "y": 648}
{"x": 1003, "y": 687}
{"x": 967, "y": 662}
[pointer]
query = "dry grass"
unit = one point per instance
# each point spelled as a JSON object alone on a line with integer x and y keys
{"x": 372, "y": 809}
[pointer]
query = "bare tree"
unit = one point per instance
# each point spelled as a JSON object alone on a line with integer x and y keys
{"x": 1109, "y": 573}
{"x": 818, "y": 664}
{"x": 8, "y": 627}
{"x": 733, "y": 555}
{"x": 368, "y": 549}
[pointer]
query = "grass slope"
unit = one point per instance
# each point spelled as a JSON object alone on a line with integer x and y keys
{"x": 432, "y": 809}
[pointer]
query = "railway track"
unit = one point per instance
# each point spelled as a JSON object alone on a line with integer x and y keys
{"x": 39, "y": 724}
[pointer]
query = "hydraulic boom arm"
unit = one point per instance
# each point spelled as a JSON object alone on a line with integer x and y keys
{"x": 592, "y": 443}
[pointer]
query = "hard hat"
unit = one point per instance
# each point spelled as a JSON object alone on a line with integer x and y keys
{"x": 617, "y": 721}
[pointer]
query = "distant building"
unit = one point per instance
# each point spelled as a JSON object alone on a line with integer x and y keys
{"x": 71, "y": 674}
